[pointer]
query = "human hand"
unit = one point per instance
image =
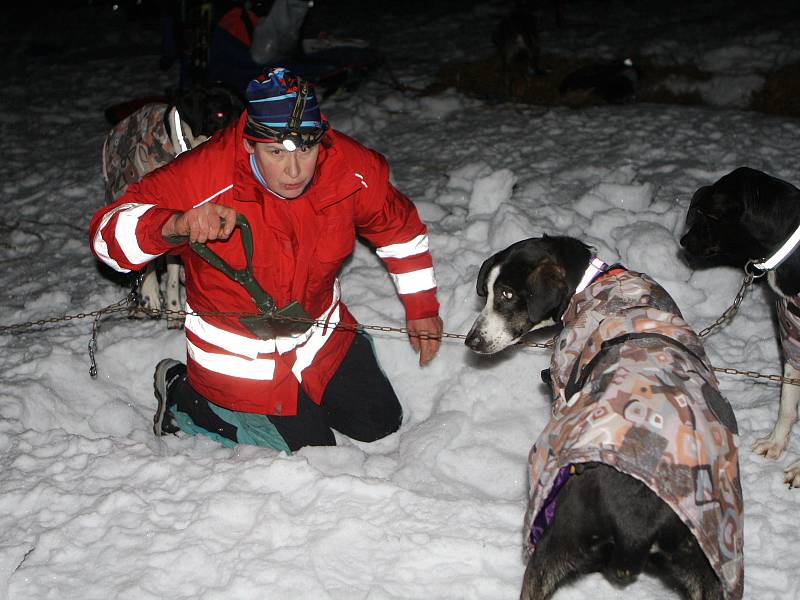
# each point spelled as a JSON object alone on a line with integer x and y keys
{"x": 202, "y": 223}
{"x": 425, "y": 336}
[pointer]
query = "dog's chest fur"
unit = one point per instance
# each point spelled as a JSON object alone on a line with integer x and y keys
{"x": 647, "y": 406}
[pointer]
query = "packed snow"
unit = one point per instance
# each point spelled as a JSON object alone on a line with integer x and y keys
{"x": 93, "y": 506}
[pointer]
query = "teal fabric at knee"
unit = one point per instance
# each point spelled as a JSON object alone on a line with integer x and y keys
{"x": 252, "y": 429}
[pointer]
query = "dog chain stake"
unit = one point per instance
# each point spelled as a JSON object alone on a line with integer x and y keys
{"x": 93, "y": 347}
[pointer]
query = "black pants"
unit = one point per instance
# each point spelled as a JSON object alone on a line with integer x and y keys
{"x": 358, "y": 401}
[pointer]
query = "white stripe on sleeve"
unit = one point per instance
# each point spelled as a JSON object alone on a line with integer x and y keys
{"x": 100, "y": 246}
{"x": 415, "y": 281}
{"x": 418, "y": 245}
{"x": 126, "y": 234}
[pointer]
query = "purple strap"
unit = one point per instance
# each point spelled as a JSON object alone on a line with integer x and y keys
{"x": 545, "y": 516}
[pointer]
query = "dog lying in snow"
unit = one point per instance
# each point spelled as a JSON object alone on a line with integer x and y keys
{"x": 613, "y": 82}
{"x": 637, "y": 469}
{"x": 149, "y": 138}
{"x": 748, "y": 215}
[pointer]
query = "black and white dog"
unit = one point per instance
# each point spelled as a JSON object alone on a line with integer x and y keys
{"x": 615, "y": 488}
{"x": 744, "y": 218}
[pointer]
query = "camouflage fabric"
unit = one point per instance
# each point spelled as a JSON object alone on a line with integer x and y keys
{"x": 789, "y": 324}
{"x": 649, "y": 407}
{"x": 135, "y": 146}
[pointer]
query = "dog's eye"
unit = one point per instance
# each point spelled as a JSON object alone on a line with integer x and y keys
{"x": 507, "y": 294}
{"x": 704, "y": 215}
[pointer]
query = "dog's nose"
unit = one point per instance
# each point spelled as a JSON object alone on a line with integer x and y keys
{"x": 474, "y": 341}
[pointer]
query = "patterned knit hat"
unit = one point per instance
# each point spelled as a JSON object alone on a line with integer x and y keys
{"x": 271, "y": 99}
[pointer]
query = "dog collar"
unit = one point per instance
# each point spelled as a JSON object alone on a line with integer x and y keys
{"x": 596, "y": 266}
{"x": 774, "y": 261}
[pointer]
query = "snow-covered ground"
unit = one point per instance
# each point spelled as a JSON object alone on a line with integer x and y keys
{"x": 92, "y": 506}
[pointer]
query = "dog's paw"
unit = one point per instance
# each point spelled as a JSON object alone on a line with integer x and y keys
{"x": 175, "y": 323}
{"x": 791, "y": 475}
{"x": 769, "y": 447}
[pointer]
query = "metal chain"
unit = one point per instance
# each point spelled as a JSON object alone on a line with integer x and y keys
{"x": 757, "y": 375}
{"x": 749, "y": 277}
{"x": 131, "y": 300}
{"x": 322, "y": 323}
{"x": 120, "y": 306}
{"x": 733, "y": 308}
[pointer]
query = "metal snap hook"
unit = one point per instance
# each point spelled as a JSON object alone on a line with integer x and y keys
{"x": 752, "y": 271}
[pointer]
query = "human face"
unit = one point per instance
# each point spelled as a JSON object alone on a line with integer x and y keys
{"x": 286, "y": 173}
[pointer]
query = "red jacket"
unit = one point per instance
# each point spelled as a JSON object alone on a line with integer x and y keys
{"x": 300, "y": 245}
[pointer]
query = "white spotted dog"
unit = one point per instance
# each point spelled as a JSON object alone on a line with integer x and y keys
{"x": 743, "y": 217}
{"x": 147, "y": 139}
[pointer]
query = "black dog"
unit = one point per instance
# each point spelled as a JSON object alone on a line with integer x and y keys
{"x": 610, "y": 492}
{"x": 746, "y": 216}
{"x": 614, "y": 83}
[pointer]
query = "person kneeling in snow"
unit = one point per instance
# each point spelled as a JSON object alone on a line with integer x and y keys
{"x": 306, "y": 191}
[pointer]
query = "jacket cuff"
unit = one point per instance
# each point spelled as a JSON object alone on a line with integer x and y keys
{"x": 421, "y": 305}
{"x": 148, "y": 231}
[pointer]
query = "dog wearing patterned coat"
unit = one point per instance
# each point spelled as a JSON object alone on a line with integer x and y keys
{"x": 150, "y": 138}
{"x": 637, "y": 469}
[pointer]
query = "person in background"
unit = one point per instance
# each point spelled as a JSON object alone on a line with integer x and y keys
{"x": 306, "y": 191}
{"x": 255, "y": 34}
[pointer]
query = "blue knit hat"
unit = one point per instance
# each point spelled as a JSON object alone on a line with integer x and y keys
{"x": 271, "y": 97}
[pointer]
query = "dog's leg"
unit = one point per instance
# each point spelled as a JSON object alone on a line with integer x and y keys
{"x": 532, "y": 46}
{"x": 774, "y": 445}
{"x": 173, "y": 292}
{"x": 506, "y": 70}
{"x": 149, "y": 293}
{"x": 551, "y": 563}
{"x": 559, "y": 14}
{"x": 686, "y": 567}
{"x": 696, "y": 579}
{"x": 791, "y": 475}
{"x": 574, "y": 542}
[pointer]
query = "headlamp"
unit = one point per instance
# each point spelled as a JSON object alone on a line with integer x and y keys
{"x": 290, "y": 137}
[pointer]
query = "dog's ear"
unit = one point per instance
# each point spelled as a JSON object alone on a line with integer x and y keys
{"x": 484, "y": 273}
{"x": 699, "y": 196}
{"x": 547, "y": 292}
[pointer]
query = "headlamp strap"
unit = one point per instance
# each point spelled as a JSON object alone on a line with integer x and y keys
{"x": 296, "y": 117}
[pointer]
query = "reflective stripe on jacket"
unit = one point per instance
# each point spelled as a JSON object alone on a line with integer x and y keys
{"x": 300, "y": 245}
